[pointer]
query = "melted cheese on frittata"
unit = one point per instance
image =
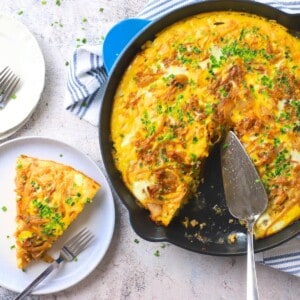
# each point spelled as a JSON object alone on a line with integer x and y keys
{"x": 50, "y": 196}
{"x": 197, "y": 79}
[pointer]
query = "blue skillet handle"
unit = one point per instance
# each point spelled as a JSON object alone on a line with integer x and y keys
{"x": 118, "y": 37}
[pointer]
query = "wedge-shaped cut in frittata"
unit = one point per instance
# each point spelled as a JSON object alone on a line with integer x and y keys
{"x": 50, "y": 196}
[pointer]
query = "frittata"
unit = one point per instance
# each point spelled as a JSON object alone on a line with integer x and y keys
{"x": 197, "y": 79}
{"x": 50, "y": 196}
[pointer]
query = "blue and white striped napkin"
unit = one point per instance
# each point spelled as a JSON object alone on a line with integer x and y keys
{"x": 87, "y": 75}
{"x": 285, "y": 258}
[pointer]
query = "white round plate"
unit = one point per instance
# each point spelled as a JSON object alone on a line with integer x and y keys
{"x": 20, "y": 51}
{"x": 98, "y": 216}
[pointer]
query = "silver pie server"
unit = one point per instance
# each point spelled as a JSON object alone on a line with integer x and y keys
{"x": 245, "y": 195}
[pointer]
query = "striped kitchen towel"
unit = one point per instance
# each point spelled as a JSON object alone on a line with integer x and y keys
{"x": 285, "y": 258}
{"x": 87, "y": 77}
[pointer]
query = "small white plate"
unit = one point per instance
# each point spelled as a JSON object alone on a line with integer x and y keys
{"x": 20, "y": 50}
{"x": 99, "y": 217}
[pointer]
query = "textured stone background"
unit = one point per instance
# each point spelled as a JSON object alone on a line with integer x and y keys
{"x": 129, "y": 270}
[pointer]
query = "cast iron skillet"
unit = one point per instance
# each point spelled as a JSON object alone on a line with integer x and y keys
{"x": 208, "y": 205}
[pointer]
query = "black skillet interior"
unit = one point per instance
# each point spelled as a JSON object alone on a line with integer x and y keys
{"x": 208, "y": 206}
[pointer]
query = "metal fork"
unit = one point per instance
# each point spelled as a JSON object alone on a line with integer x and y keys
{"x": 68, "y": 252}
{"x": 8, "y": 82}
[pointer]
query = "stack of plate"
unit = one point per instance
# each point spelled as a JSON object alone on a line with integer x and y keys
{"x": 20, "y": 50}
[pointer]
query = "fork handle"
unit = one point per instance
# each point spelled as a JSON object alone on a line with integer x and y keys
{"x": 39, "y": 279}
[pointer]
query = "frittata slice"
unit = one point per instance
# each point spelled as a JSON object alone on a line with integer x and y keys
{"x": 50, "y": 196}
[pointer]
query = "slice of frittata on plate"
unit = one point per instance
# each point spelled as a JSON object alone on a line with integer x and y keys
{"x": 50, "y": 196}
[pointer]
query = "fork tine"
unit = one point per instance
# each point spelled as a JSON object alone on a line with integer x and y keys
{"x": 79, "y": 242}
{"x": 7, "y": 73}
{"x": 81, "y": 245}
{"x": 12, "y": 85}
{"x": 76, "y": 244}
{"x": 74, "y": 239}
{"x": 8, "y": 82}
{"x": 8, "y": 90}
{"x": 3, "y": 70}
